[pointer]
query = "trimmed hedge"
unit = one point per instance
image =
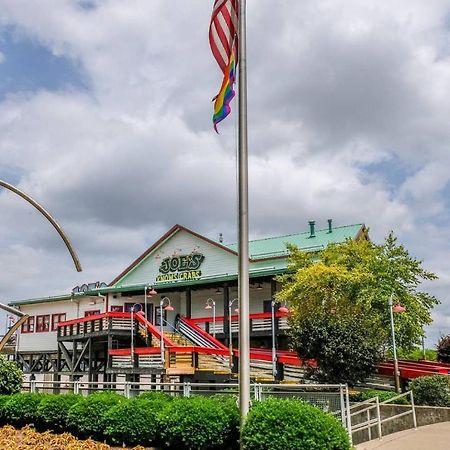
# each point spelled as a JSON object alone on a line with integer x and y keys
{"x": 382, "y": 395}
{"x": 431, "y": 390}
{"x": 22, "y": 409}
{"x": 195, "y": 423}
{"x": 86, "y": 418}
{"x": 277, "y": 424}
{"x": 54, "y": 409}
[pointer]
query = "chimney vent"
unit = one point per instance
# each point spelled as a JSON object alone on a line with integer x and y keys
{"x": 221, "y": 238}
{"x": 312, "y": 232}
{"x": 330, "y": 225}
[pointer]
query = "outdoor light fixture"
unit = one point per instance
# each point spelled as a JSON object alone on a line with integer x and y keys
{"x": 259, "y": 287}
{"x": 211, "y": 304}
{"x": 218, "y": 291}
{"x": 132, "y": 332}
{"x": 395, "y": 309}
{"x": 168, "y": 307}
{"x": 283, "y": 309}
{"x": 152, "y": 291}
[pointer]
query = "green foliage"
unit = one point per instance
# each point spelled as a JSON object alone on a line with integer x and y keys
{"x": 10, "y": 377}
{"x": 431, "y": 390}
{"x": 155, "y": 396}
{"x": 292, "y": 425}
{"x": 133, "y": 422}
{"x": 86, "y": 418}
{"x": 415, "y": 354}
{"x": 21, "y": 409}
{"x": 343, "y": 346}
{"x": 3, "y": 400}
{"x": 361, "y": 275}
{"x": 194, "y": 423}
{"x": 53, "y": 411}
{"x": 345, "y": 287}
{"x": 443, "y": 349}
{"x": 382, "y": 395}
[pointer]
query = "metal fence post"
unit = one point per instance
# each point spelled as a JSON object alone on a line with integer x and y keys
{"x": 413, "y": 410}
{"x": 127, "y": 389}
{"x": 380, "y": 432}
{"x": 186, "y": 389}
{"x": 76, "y": 387}
{"x": 33, "y": 386}
{"x": 349, "y": 417}
{"x": 342, "y": 400}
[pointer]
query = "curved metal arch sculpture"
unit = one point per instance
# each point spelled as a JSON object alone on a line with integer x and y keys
{"x": 48, "y": 216}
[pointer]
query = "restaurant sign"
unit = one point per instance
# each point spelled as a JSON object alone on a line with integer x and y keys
{"x": 181, "y": 268}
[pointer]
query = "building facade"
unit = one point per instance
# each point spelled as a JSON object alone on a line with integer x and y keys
{"x": 172, "y": 311}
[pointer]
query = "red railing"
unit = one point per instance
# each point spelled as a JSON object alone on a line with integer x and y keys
{"x": 235, "y": 317}
{"x": 192, "y": 324}
{"x": 117, "y": 315}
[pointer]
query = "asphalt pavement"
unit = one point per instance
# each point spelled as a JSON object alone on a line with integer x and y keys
{"x": 429, "y": 437}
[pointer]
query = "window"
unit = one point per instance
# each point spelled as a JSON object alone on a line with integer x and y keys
{"x": 56, "y": 318}
{"x": 94, "y": 312}
{"x": 116, "y": 308}
{"x": 267, "y": 305}
{"x": 28, "y": 326}
{"x": 42, "y": 323}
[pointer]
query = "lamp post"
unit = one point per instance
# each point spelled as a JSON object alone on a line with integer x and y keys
{"x": 168, "y": 307}
{"x": 211, "y": 304}
{"x": 230, "y": 334}
{"x": 282, "y": 309}
{"x": 392, "y": 310}
{"x": 132, "y": 333}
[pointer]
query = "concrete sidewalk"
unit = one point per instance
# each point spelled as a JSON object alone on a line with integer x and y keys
{"x": 433, "y": 437}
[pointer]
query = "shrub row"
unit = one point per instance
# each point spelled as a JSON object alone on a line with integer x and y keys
{"x": 156, "y": 419}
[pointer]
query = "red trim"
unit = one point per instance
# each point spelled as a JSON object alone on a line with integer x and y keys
{"x": 119, "y": 315}
{"x": 153, "y": 330}
{"x": 236, "y": 317}
{"x": 42, "y": 328}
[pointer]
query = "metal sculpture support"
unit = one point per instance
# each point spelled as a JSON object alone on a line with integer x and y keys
{"x": 48, "y": 216}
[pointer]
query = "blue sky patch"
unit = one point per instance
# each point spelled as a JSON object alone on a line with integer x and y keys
{"x": 29, "y": 66}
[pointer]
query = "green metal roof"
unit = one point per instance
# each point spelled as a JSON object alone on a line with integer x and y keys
{"x": 259, "y": 249}
{"x": 276, "y": 246}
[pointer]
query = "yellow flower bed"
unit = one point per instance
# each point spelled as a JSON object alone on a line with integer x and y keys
{"x": 29, "y": 438}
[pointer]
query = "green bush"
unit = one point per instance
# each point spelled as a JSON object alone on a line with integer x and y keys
{"x": 431, "y": 390}
{"x": 10, "y": 377}
{"x": 277, "y": 424}
{"x": 21, "y": 409}
{"x": 133, "y": 422}
{"x": 382, "y": 395}
{"x": 194, "y": 423}
{"x": 86, "y": 418}
{"x": 156, "y": 396}
{"x": 3, "y": 400}
{"x": 53, "y": 410}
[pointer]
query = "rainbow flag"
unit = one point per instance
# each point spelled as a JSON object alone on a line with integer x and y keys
{"x": 223, "y": 99}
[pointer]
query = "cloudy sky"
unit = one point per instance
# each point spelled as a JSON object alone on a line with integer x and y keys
{"x": 105, "y": 118}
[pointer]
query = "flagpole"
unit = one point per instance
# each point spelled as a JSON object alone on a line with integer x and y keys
{"x": 243, "y": 273}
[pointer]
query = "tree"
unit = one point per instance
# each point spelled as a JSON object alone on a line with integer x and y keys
{"x": 443, "y": 349}
{"x": 355, "y": 279}
{"x": 10, "y": 377}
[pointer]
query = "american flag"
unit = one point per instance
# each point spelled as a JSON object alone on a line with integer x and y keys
{"x": 223, "y": 31}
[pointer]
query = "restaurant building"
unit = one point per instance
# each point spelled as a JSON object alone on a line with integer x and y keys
{"x": 173, "y": 312}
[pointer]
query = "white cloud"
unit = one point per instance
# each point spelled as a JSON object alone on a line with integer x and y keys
{"x": 335, "y": 87}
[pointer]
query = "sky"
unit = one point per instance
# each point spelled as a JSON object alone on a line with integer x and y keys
{"x": 105, "y": 119}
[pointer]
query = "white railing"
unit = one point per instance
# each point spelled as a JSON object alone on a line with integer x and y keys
{"x": 264, "y": 324}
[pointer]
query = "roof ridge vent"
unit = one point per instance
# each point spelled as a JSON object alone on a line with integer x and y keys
{"x": 312, "y": 229}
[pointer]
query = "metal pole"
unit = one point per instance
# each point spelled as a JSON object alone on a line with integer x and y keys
{"x": 394, "y": 347}
{"x": 214, "y": 318}
{"x": 132, "y": 336}
{"x": 161, "y": 330}
{"x": 145, "y": 303}
{"x": 230, "y": 341}
{"x": 243, "y": 274}
{"x": 274, "y": 351}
